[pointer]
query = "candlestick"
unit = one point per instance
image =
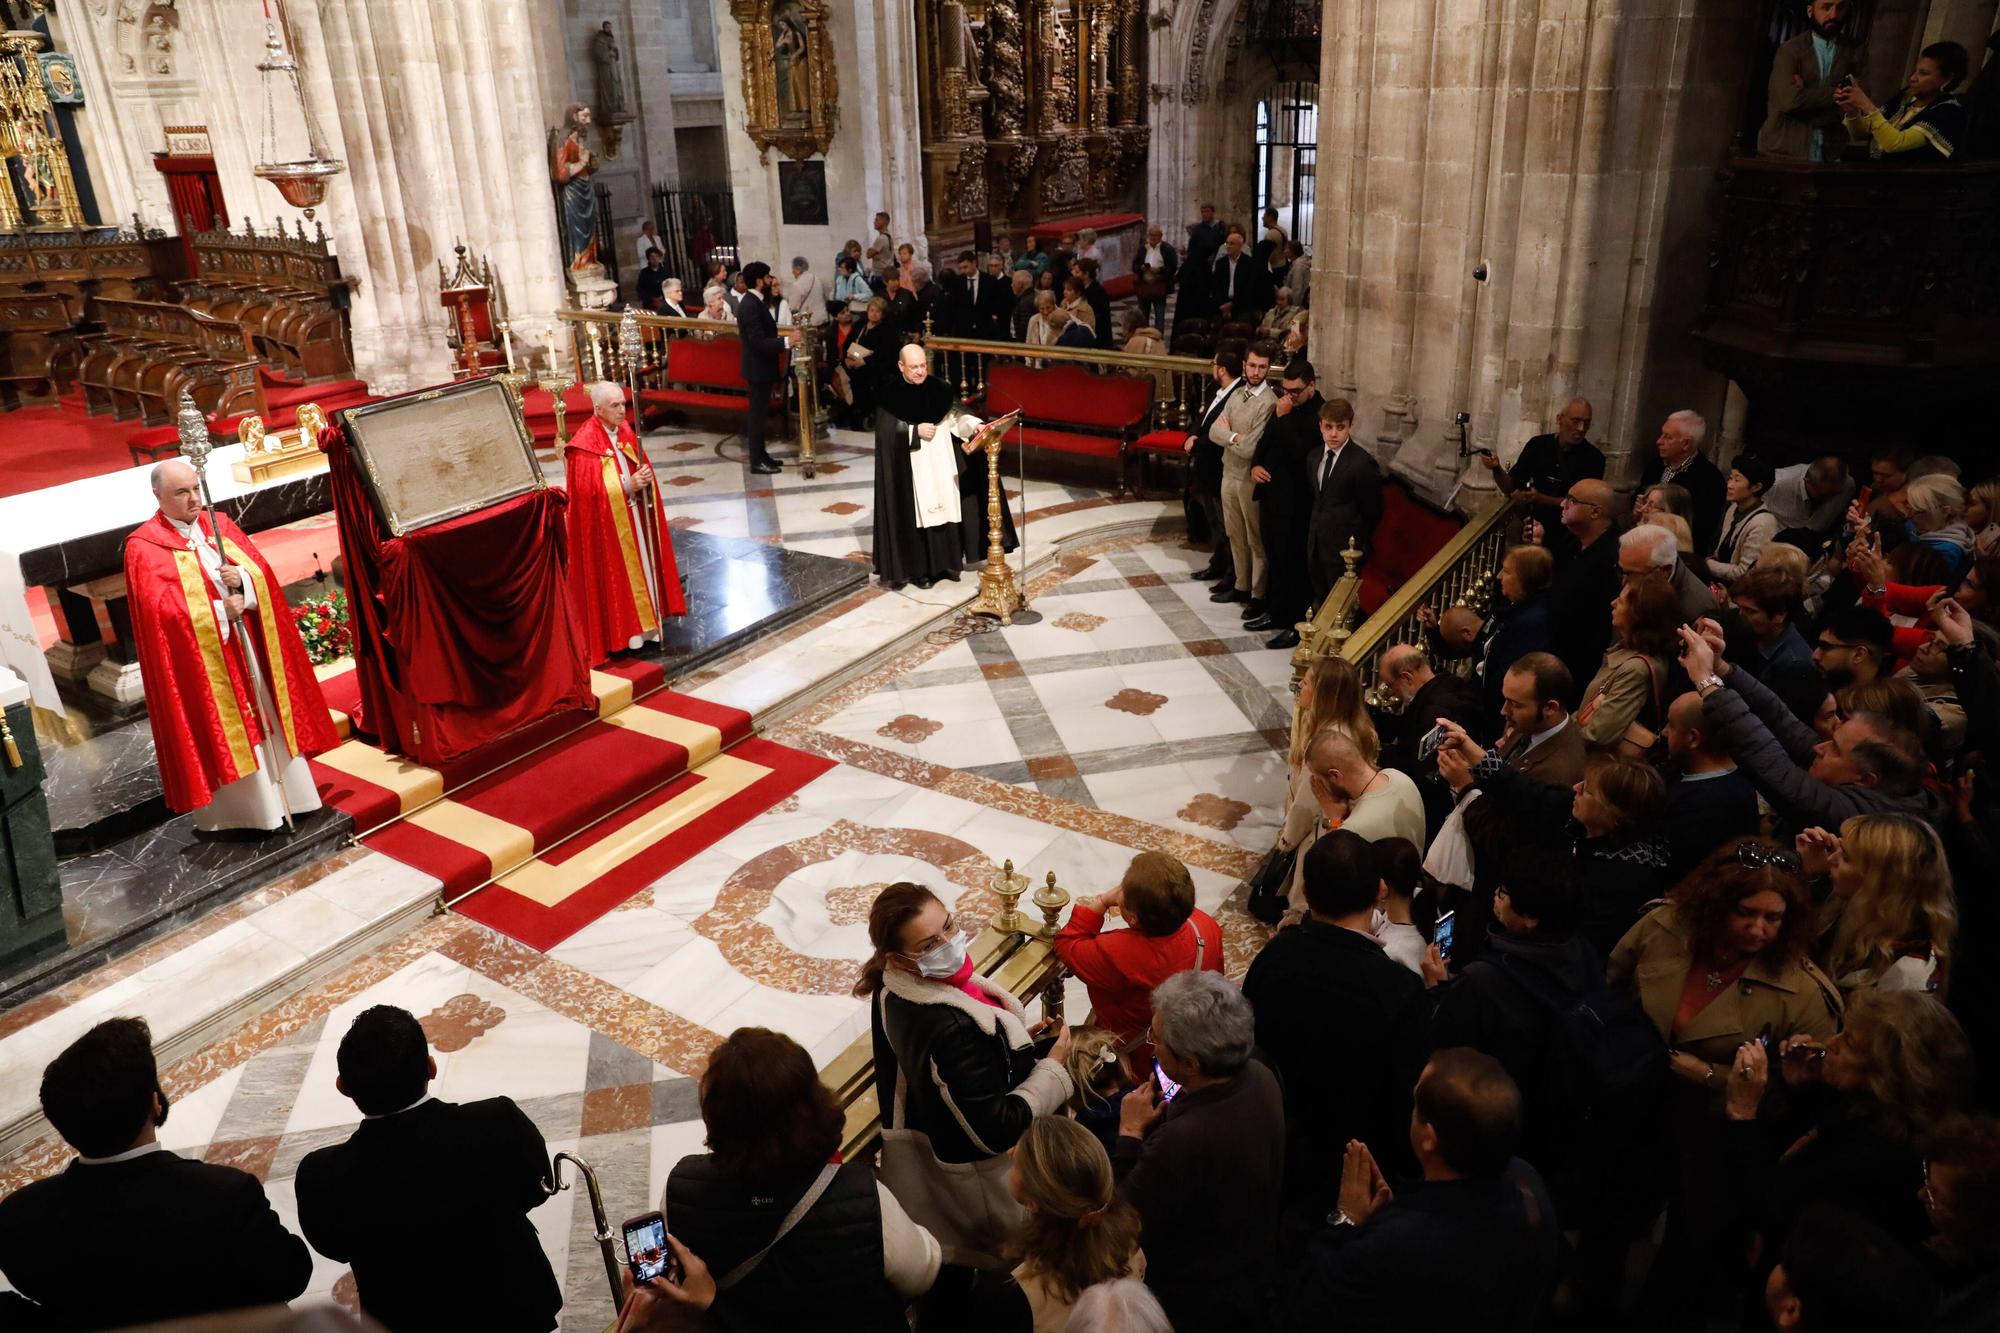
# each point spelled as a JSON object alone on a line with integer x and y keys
{"x": 507, "y": 341}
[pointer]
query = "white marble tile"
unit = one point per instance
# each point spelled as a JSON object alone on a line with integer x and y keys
{"x": 375, "y": 886}
{"x": 1077, "y": 703}
{"x": 307, "y": 921}
{"x": 815, "y": 511}
{"x": 1159, "y": 795}
{"x": 1124, "y": 621}
{"x": 619, "y": 947}
{"x": 969, "y": 728}
{"x": 697, "y": 982}
{"x": 192, "y": 1119}
{"x": 807, "y": 1019}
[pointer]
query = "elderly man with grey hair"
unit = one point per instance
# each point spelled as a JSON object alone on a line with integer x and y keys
{"x": 1201, "y": 1155}
{"x": 1679, "y": 459}
{"x": 673, "y": 299}
{"x": 1124, "y": 1306}
{"x": 807, "y": 296}
{"x": 1652, "y": 551}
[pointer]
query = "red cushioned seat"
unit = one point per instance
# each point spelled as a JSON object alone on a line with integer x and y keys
{"x": 1072, "y": 442}
{"x": 1070, "y": 395}
{"x": 1120, "y": 287}
{"x": 1162, "y": 441}
{"x": 1409, "y": 534}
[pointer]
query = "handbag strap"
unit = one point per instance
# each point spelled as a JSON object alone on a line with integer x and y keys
{"x": 792, "y": 1219}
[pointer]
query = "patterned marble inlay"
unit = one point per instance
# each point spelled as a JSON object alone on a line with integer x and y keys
{"x": 461, "y": 1020}
{"x": 683, "y": 480}
{"x": 1216, "y": 812}
{"x": 1081, "y": 621}
{"x": 1139, "y": 703}
{"x": 909, "y": 729}
{"x": 842, "y": 508}
{"x": 754, "y": 948}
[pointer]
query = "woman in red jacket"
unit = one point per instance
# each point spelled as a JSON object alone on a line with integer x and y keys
{"x": 1167, "y": 934}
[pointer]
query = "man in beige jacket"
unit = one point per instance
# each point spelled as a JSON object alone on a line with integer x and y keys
{"x": 1237, "y": 430}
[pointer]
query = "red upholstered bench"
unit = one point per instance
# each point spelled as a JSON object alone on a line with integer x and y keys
{"x": 708, "y": 373}
{"x": 1069, "y": 410}
{"x": 1120, "y": 287}
{"x": 1409, "y": 534}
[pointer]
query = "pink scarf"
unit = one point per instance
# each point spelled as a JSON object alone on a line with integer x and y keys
{"x": 963, "y": 980}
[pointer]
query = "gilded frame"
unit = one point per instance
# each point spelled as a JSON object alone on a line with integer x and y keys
{"x": 795, "y": 109}
{"x": 478, "y": 447}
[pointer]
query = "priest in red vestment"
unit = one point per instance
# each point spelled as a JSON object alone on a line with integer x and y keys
{"x": 622, "y": 578}
{"x": 215, "y": 755}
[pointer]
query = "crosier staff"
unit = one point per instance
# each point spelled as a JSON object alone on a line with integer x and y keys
{"x": 631, "y": 345}
{"x": 195, "y": 447}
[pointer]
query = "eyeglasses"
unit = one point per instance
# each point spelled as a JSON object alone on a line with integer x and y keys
{"x": 1580, "y": 504}
{"x": 950, "y": 927}
{"x": 1832, "y": 646}
{"x": 1753, "y": 857}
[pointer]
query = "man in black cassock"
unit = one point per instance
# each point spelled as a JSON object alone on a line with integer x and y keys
{"x": 909, "y": 407}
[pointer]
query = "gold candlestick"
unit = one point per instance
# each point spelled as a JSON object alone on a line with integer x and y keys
{"x": 999, "y": 594}
{"x": 555, "y": 386}
{"x": 1009, "y": 888}
{"x": 1051, "y": 898}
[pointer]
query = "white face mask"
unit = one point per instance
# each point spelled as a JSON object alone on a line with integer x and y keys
{"x": 943, "y": 959}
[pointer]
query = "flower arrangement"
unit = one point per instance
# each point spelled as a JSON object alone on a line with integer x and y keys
{"x": 324, "y": 626}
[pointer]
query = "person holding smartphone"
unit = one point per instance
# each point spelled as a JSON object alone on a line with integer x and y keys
{"x": 958, "y": 1073}
{"x": 1548, "y": 465}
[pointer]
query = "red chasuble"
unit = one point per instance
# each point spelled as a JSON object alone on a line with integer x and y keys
{"x": 607, "y": 569}
{"x": 199, "y": 698}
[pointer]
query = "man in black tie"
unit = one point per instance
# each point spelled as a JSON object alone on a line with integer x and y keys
{"x": 762, "y": 344}
{"x": 1205, "y": 467}
{"x": 130, "y": 1233}
{"x": 1283, "y": 471}
{"x": 1347, "y": 498}
{"x": 480, "y": 1165}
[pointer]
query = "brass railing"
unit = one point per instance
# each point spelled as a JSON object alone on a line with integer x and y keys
{"x": 1461, "y": 573}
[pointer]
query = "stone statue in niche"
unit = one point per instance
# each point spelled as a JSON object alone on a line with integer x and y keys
{"x": 1006, "y": 69}
{"x": 571, "y": 166}
{"x": 610, "y": 74}
{"x": 788, "y": 63}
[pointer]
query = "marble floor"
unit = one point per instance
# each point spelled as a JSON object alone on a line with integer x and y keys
{"x": 1135, "y": 715}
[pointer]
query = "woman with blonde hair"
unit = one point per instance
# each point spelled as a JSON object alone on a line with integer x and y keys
{"x": 1890, "y": 919}
{"x": 1332, "y": 695}
{"x": 1079, "y": 1232}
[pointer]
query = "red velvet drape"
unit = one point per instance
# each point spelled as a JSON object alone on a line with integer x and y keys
{"x": 463, "y": 630}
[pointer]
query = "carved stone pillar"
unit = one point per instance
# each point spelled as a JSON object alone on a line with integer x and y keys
{"x": 1564, "y": 144}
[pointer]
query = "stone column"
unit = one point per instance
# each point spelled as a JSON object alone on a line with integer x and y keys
{"x": 1564, "y": 144}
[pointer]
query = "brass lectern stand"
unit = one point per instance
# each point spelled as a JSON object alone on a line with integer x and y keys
{"x": 999, "y": 594}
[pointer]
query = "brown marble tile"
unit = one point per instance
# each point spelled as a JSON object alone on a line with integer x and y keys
{"x": 461, "y": 1020}
{"x": 909, "y": 729}
{"x": 1139, "y": 703}
{"x": 1205, "y": 647}
{"x": 253, "y": 1154}
{"x": 1217, "y": 812}
{"x": 346, "y": 1294}
{"x": 1046, "y": 766}
{"x": 1146, "y": 581}
{"x": 683, "y": 479}
{"x": 760, "y": 493}
{"x": 842, "y": 508}
{"x": 492, "y": 954}
{"x": 1000, "y": 670}
{"x": 610, "y": 1110}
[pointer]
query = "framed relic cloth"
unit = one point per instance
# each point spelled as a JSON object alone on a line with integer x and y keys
{"x": 440, "y": 453}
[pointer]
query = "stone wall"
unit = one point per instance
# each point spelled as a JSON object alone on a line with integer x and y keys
{"x": 1571, "y": 146}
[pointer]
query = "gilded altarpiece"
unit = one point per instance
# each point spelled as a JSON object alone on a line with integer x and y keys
{"x": 1032, "y": 110}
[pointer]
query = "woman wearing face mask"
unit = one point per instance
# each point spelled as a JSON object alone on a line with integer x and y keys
{"x": 956, "y": 1076}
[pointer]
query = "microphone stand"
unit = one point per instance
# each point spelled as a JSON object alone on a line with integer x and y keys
{"x": 195, "y": 447}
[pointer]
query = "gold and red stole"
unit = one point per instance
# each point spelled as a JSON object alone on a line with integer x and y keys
{"x": 622, "y": 524}
{"x": 236, "y": 729}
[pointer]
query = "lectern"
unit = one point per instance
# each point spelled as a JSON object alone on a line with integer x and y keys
{"x": 454, "y": 546}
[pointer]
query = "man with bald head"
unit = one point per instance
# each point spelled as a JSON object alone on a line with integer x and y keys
{"x": 927, "y": 520}
{"x": 1548, "y": 465}
{"x": 623, "y": 581}
{"x": 201, "y": 597}
{"x": 1586, "y": 579}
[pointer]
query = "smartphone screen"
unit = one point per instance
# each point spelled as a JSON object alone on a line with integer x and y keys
{"x": 646, "y": 1249}
{"x": 1168, "y": 1088}
{"x": 1443, "y": 933}
{"x": 1428, "y": 746}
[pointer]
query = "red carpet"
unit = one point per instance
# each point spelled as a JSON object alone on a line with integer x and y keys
{"x": 573, "y": 817}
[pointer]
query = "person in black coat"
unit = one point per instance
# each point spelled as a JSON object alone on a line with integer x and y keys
{"x": 1679, "y": 459}
{"x": 1204, "y": 1170}
{"x": 1240, "y": 283}
{"x": 1587, "y": 580}
{"x": 1100, "y": 302}
{"x": 1474, "y": 1245}
{"x": 1282, "y": 470}
{"x": 1505, "y": 1001}
{"x": 130, "y": 1233}
{"x": 762, "y": 346}
{"x": 1709, "y": 799}
{"x": 1346, "y": 498}
{"x": 1341, "y": 1022}
{"x": 957, "y": 1076}
{"x": 1205, "y": 465}
{"x": 482, "y": 1164}
{"x": 1522, "y": 621}
{"x": 774, "y": 1132}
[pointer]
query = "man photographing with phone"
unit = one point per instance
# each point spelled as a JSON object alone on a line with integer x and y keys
{"x": 1548, "y": 465}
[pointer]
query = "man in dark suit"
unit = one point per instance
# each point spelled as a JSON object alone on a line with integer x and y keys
{"x": 1347, "y": 498}
{"x": 130, "y": 1233}
{"x": 762, "y": 345}
{"x": 1679, "y": 460}
{"x": 480, "y": 1166}
{"x": 993, "y": 302}
{"x": 1100, "y": 300}
{"x": 1282, "y": 470}
{"x": 1240, "y": 284}
{"x": 1378, "y": 1258}
{"x": 1800, "y": 118}
{"x": 1205, "y": 467}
